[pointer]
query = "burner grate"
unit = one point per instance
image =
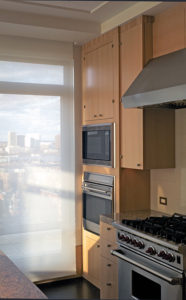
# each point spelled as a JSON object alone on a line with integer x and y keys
{"x": 172, "y": 228}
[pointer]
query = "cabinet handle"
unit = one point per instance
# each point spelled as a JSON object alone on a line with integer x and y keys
{"x": 100, "y": 115}
{"x": 109, "y": 265}
{"x": 138, "y": 165}
{"x": 95, "y": 116}
{"x": 108, "y": 245}
{"x": 113, "y": 101}
{"x": 108, "y": 228}
{"x": 84, "y": 106}
{"x": 97, "y": 246}
{"x": 121, "y": 156}
{"x": 108, "y": 284}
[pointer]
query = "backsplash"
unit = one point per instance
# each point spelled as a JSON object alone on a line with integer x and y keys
{"x": 171, "y": 183}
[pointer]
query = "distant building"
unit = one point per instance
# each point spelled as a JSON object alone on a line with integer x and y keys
{"x": 58, "y": 141}
{"x": 21, "y": 140}
{"x": 12, "y": 140}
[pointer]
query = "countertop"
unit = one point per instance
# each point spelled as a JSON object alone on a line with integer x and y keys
{"x": 14, "y": 284}
{"x": 139, "y": 214}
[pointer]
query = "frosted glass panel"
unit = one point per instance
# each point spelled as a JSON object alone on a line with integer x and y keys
{"x": 31, "y": 73}
{"x": 37, "y": 207}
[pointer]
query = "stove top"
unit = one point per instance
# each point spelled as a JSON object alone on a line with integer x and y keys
{"x": 171, "y": 228}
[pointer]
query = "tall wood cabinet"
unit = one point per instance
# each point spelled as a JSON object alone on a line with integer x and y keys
{"x": 142, "y": 131}
{"x": 100, "y": 78}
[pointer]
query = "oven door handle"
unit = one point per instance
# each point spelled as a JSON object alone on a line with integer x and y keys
{"x": 87, "y": 189}
{"x": 173, "y": 281}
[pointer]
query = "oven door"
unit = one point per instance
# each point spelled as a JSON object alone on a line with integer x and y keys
{"x": 97, "y": 200}
{"x": 141, "y": 278}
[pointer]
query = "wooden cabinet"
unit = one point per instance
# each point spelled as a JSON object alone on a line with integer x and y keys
{"x": 149, "y": 138}
{"x": 100, "y": 62}
{"x": 91, "y": 257}
{"x": 147, "y": 135}
{"x": 169, "y": 31}
{"x": 109, "y": 266}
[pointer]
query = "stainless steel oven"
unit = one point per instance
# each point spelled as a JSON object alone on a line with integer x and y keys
{"x": 98, "y": 199}
{"x": 98, "y": 144}
{"x": 141, "y": 278}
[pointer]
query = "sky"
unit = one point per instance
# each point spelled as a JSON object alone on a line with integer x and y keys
{"x": 27, "y": 114}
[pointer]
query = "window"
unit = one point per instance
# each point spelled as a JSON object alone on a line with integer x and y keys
{"x": 37, "y": 207}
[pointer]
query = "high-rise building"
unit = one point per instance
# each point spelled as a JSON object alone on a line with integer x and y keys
{"x": 12, "y": 140}
{"x": 21, "y": 140}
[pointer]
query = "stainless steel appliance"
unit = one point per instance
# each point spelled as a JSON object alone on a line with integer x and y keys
{"x": 98, "y": 144}
{"x": 98, "y": 199}
{"x": 152, "y": 258}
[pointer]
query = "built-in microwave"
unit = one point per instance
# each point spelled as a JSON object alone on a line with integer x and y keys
{"x": 98, "y": 144}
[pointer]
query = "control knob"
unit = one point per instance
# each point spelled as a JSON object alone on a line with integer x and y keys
{"x": 127, "y": 239}
{"x": 134, "y": 242}
{"x": 151, "y": 250}
{"x": 162, "y": 254}
{"x": 170, "y": 257}
{"x": 140, "y": 245}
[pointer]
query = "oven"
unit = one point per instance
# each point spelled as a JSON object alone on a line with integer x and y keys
{"x": 143, "y": 278}
{"x": 98, "y": 199}
{"x": 98, "y": 144}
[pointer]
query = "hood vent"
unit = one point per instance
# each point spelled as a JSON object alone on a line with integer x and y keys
{"x": 162, "y": 83}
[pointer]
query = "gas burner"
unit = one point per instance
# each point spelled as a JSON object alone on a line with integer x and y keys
{"x": 171, "y": 228}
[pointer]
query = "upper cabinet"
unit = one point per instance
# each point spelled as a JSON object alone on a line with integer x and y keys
{"x": 169, "y": 31}
{"x": 100, "y": 61}
{"x": 135, "y": 49}
{"x": 147, "y": 135}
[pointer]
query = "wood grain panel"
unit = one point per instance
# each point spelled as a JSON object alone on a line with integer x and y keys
{"x": 135, "y": 190}
{"x": 159, "y": 137}
{"x": 91, "y": 257}
{"x": 132, "y": 138}
{"x": 168, "y": 31}
{"x": 108, "y": 232}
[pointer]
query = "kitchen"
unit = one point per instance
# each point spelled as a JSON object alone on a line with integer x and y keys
{"x": 144, "y": 154}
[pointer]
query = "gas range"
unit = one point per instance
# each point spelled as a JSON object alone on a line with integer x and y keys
{"x": 160, "y": 238}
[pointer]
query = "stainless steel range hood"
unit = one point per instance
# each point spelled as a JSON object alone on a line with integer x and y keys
{"x": 162, "y": 82}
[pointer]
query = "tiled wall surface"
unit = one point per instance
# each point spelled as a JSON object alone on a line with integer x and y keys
{"x": 171, "y": 183}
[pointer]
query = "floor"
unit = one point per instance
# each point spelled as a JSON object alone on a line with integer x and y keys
{"x": 77, "y": 288}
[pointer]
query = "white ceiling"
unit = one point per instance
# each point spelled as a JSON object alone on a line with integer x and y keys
{"x": 71, "y": 21}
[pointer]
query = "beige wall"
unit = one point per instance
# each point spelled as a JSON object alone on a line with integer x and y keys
{"x": 171, "y": 183}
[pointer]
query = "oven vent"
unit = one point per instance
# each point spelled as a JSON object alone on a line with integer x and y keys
{"x": 172, "y": 105}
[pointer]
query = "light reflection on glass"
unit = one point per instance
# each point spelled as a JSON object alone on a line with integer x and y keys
{"x": 34, "y": 191}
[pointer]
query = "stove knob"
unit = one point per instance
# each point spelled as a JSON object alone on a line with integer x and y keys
{"x": 162, "y": 254}
{"x": 128, "y": 239}
{"x": 122, "y": 237}
{"x": 141, "y": 245}
{"x": 170, "y": 257}
{"x": 151, "y": 250}
{"x": 134, "y": 242}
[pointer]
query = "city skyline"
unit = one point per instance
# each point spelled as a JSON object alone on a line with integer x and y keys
{"x": 28, "y": 114}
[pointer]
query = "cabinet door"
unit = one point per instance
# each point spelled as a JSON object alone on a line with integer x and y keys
{"x": 131, "y": 59}
{"x": 99, "y": 83}
{"x": 168, "y": 31}
{"x": 90, "y": 83}
{"x": 91, "y": 259}
{"x": 132, "y": 138}
{"x": 105, "y": 76}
